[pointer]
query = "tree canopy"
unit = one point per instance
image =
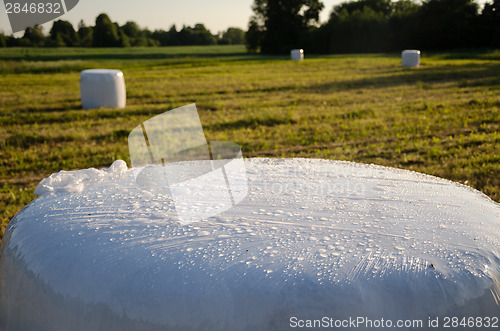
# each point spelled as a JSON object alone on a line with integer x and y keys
{"x": 233, "y": 36}
{"x": 63, "y": 34}
{"x": 490, "y": 24}
{"x": 106, "y": 33}
{"x": 33, "y": 36}
{"x": 278, "y": 26}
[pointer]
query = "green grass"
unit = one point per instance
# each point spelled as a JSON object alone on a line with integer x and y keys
{"x": 442, "y": 118}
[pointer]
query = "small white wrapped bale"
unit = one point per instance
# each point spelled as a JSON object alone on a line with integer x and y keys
{"x": 313, "y": 239}
{"x": 102, "y": 88}
{"x": 297, "y": 54}
{"x": 410, "y": 58}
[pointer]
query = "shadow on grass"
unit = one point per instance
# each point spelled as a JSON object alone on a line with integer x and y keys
{"x": 251, "y": 123}
{"x": 464, "y": 75}
{"x": 151, "y": 53}
{"x": 76, "y": 63}
{"x": 72, "y": 115}
{"x": 477, "y": 54}
{"x": 27, "y": 140}
{"x": 50, "y": 109}
{"x": 115, "y": 136}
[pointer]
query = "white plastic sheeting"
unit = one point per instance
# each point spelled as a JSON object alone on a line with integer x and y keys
{"x": 102, "y": 88}
{"x": 313, "y": 238}
{"x": 410, "y": 58}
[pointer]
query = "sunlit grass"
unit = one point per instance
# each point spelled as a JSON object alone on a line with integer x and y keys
{"x": 442, "y": 118}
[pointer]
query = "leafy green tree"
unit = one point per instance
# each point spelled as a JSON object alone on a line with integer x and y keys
{"x": 280, "y": 25}
{"x": 134, "y": 34}
{"x": 384, "y": 7}
{"x": 105, "y": 33}
{"x": 55, "y": 41}
{"x": 13, "y": 41}
{"x": 131, "y": 29}
{"x": 63, "y": 34}
{"x": 33, "y": 36}
{"x": 448, "y": 24}
{"x": 384, "y": 25}
{"x": 361, "y": 26}
{"x": 137, "y": 36}
{"x": 404, "y": 25}
{"x": 3, "y": 41}
{"x": 359, "y": 30}
{"x": 147, "y": 36}
{"x": 161, "y": 36}
{"x": 490, "y": 24}
{"x": 198, "y": 35}
{"x": 233, "y": 36}
{"x": 85, "y": 34}
{"x": 173, "y": 35}
{"x": 253, "y": 37}
{"x": 123, "y": 39}
{"x": 202, "y": 36}
{"x": 166, "y": 38}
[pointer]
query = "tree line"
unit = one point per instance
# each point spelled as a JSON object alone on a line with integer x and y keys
{"x": 106, "y": 33}
{"x": 278, "y": 26}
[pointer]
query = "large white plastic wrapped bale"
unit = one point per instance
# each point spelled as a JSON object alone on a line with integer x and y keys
{"x": 313, "y": 239}
{"x": 297, "y": 54}
{"x": 102, "y": 88}
{"x": 410, "y": 58}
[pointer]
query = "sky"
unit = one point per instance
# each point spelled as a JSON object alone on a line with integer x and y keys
{"x": 217, "y": 15}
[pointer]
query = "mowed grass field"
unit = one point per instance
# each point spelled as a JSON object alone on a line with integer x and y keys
{"x": 442, "y": 118}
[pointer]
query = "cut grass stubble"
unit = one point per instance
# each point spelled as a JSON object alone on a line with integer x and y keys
{"x": 442, "y": 118}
